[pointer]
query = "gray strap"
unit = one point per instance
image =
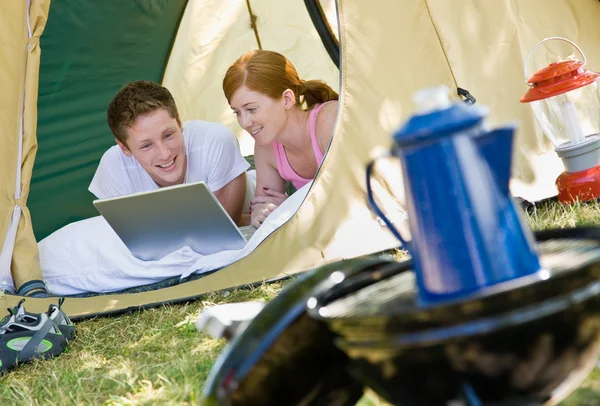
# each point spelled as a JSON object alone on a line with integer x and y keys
{"x": 30, "y": 349}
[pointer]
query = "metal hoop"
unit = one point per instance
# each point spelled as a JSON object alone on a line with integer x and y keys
{"x": 541, "y": 42}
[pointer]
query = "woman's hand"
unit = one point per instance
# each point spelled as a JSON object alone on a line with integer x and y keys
{"x": 259, "y": 212}
{"x": 269, "y": 196}
{"x": 263, "y": 205}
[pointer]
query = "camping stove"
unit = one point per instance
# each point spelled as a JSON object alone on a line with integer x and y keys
{"x": 530, "y": 341}
{"x": 485, "y": 312}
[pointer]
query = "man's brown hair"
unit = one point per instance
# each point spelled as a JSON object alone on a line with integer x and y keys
{"x": 136, "y": 99}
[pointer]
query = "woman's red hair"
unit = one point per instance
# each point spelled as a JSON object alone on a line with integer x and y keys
{"x": 271, "y": 73}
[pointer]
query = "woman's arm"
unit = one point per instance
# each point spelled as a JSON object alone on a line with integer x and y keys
{"x": 270, "y": 186}
{"x": 267, "y": 175}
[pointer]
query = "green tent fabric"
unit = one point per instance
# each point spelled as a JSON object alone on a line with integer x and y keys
{"x": 123, "y": 40}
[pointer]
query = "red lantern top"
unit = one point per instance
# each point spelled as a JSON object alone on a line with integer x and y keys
{"x": 558, "y": 78}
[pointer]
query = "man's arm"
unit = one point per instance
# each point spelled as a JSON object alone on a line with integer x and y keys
{"x": 224, "y": 166}
{"x": 232, "y": 197}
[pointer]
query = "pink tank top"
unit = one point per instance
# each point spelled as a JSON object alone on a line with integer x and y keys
{"x": 283, "y": 165}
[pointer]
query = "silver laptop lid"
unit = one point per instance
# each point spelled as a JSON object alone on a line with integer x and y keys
{"x": 156, "y": 223}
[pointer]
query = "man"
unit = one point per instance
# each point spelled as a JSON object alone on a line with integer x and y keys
{"x": 154, "y": 149}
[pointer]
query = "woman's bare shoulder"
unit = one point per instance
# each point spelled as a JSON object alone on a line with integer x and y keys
{"x": 328, "y": 109}
{"x": 325, "y": 123}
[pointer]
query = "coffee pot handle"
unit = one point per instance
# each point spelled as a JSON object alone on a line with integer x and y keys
{"x": 378, "y": 211}
{"x": 540, "y": 43}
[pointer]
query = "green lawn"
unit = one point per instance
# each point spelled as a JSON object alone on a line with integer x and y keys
{"x": 157, "y": 357}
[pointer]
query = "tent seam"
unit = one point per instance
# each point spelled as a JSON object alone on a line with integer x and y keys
{"x": 253, "y": 25}
{"x": 437, "y": 33}
{"x": 22, "y": 125}
{"x": 168, "y": 58}
{"x": 341, "y": 89}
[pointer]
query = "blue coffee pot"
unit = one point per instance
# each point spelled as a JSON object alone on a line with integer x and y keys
{"x": 467, "y": 233}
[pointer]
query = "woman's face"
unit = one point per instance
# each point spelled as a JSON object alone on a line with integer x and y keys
{"x": 263, "y": 117}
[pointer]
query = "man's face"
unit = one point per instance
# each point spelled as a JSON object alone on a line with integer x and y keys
{"x": 156, "y": 141}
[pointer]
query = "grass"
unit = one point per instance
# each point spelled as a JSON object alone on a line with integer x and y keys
{"x": 157, "y": 357}
{"x": 154, "y": 356}
{"x": 554, "y": 215}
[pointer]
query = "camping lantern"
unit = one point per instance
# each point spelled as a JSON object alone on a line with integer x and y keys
{"x": 565, "y": 100}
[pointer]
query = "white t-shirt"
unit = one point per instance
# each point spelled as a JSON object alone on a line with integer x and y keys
{"x": 213, "y": 156}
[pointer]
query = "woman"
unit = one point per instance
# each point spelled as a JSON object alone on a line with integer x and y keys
{"x": 291, "y": 121}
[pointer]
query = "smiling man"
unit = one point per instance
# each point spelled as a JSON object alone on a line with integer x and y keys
{"x": 154, "y": 149}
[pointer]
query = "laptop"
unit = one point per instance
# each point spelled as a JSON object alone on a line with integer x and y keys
{"x": 156, "y": 223}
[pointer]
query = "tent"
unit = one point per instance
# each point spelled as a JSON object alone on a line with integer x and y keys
{"x": 63, "y": 61}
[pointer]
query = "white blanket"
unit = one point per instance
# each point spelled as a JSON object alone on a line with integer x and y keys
{"x": 88, "y": 256}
